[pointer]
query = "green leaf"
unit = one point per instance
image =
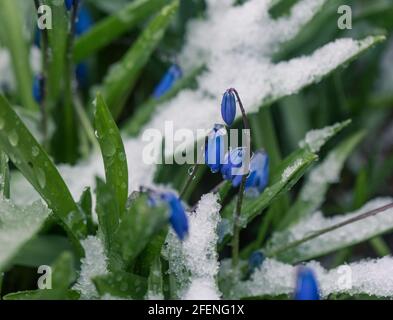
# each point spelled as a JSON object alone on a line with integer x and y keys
{"x": 4, "y": 176}
{"x": 41, "y": 250}
{"x": 34, "y": 163}
{"x": 86, "y": 205}
{"x": 296, "y": 167}
{"x": 11, "y": 30}
{"x": 155, "y": 280}
{"x": 144, "y": 113}
{"x": 121, "y": 284}
{"x": 63, "y": 274}
{"x": 112, "y": 149}
{"x": 122, "y": 76}
{"x": 112, "y": 27}
{"x": 17, "y": 226}
{"x": 108, "y": 222}
{"x": 314, "y": 190}
{"x": 138, "y": 226}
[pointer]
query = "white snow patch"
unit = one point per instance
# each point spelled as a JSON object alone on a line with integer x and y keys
{"x": 372, "y": 277}
{"x": 93, "y": 264}
{"x": 194, "y": 262}
{"x": 342, "y": 237}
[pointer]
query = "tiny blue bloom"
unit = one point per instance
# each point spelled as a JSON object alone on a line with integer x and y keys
{"x": 172, "y": 75}
{"x": 69, "y": 4}
{"x": 228, "y": 107}
{"x": 255, "y": 260}
{"x": 306, "y": 285}
{"x": 214, "y": 147}
{"x": 259, "y": 173}
{"x": 84, "y": 21}
{"x": 38, "y": 88}
{"x": 233, "y": 161}
{"x": 177, "y": 218}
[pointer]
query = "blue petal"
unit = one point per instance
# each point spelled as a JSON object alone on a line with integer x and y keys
{"x": 178, "y": 218}
{"x": 38, "y": 93}
{"x": 84, "y": 21}
{"x": 255, "y": 261}
{"x": 68, "y": 4}
{"x": 306, "y": 285}
{"x": 214, "y": 148}
{"x": 228, "y": 107}
{"x": 173, "y": 74}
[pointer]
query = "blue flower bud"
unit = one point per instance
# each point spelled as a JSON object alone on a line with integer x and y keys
{"x": 214, "y": 148}
{"x": 255, "y": 261}
{"x": 228, "y": 107}
{"x": 69, "y": 4}
{"x": 83, "y": 22}
{"x": 306, "y": 285}
{"x": 234, "y": 160}
{"x": 178, "y": 217}
{"x": 38, "y": 88}
{"x": 173, "y": 74}
{"x": 259, "y": 173}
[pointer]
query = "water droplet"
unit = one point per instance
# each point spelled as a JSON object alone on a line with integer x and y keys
{"x": 97, "y": 134}
{"x": 108, "y": 149}
{"x": 41, "y": 179}
{"x": 13, "y": 138}
{"x": 191, "y": 170}
{"x": 35, "y": 151}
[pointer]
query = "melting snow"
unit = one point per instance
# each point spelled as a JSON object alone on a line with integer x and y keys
{"x": 194, "y": 262}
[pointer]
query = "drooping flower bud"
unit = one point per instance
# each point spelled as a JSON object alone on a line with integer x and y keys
{"x": 214, "y": 148}
{"x": 306, "y": 285}
{"x": 38, "y": 88}
{"x": 177, "y": 217}
{"x": 228, "y": 107}
{"x": 173, "y": 74}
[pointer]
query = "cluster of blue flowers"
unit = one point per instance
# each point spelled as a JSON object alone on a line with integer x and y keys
{"x": 258, "y": 177}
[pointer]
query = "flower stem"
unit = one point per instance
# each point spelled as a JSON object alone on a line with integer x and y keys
{"x": 329, "y": 229}
{"x": 237, "y": 214}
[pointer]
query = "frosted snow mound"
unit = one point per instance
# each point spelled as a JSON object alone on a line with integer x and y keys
{"x": 93, "y": 264}
{"x": 194, "y": 262}
{"x": 18, "y": 224}
{"x": 350, "y": 234}
{"x": 273, "y": 278}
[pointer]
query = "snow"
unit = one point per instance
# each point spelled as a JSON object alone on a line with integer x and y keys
{"x": 194, "y": 262}
{"x": 93, "y": 264}
{"x": 291, "y": 169}
{"x": 342, "y": 237}
{"x": 17, "y": 225}
{"x": 372, "y": 277}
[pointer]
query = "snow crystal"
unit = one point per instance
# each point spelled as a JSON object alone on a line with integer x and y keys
{"x": 372, "y": 277}
{"x": 342, "y": 237}
{"x": 93, "y": 264}
{"x": 17, "y": 225}
{"x": 315, "y": 139}
{"x": 291, "y": 169}
{"x": 194, "y": 262}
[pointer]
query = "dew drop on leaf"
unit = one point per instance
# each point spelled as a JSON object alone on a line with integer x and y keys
{"x": 13, "y": 138}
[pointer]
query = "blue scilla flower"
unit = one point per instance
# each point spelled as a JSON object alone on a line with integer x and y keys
{"x": 214, "y": 148}
{"x": 233, "y": 161}
{"x": 38, "y": 88}
{"x": 228, "y": 107}
{"x": 172, "y": 75}
{"x": 69, "y": 4}
{"x": 255, "y": 260}
{"x": 306, "y": 285}
{"x": 259, "y": 173}
{"x": 84, "y": 21}
{"x": 177, "y": 217}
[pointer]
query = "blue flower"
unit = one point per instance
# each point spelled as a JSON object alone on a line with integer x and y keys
{"x": 306, "y": 285}
{"x": 38, "y": 88}
{"x": 234, "y": 160}
{"x": 259, "y": 173}
{"x": 173, "y": 74}
{"x": 255, "y": 260}
{"x": 228, "y": 107}
{"x": 177, "y": 218}
{"x": 69, "y": 4}
{"x": 214, "y": 147}
{"x": 84, "y": 21}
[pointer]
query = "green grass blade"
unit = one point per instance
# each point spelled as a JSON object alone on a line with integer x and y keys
{"x": 4, "y": 176}
{"x": 122, "y": 76}
{"x": 11, "y": 29}
{"x": 34, "y": 163}
{"x": 113, "y": 153}
{"x": 110, "y": 28}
